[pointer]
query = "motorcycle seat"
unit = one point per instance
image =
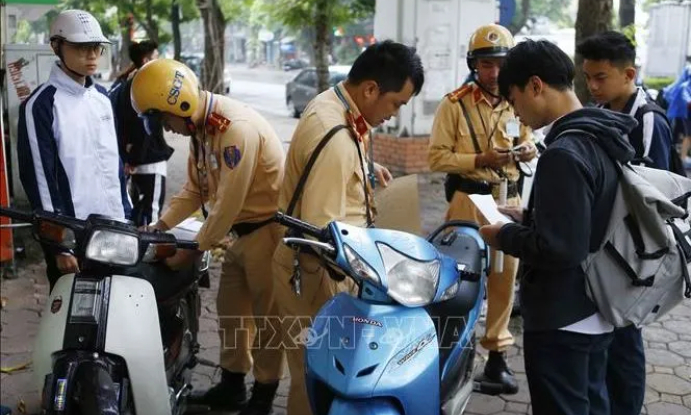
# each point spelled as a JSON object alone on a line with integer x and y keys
{"x": 166, "y": 282}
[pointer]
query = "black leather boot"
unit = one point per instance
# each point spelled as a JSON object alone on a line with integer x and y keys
{"x": 497, "y": 378}
{"x": 262, "y": 400}
{"x": 228, "y": 395}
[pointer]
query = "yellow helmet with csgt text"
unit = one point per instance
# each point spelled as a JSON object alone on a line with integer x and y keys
{"x": 489, "y": 41}
{"x": 165, "y": 86}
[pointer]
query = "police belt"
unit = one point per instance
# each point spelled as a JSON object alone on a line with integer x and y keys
{"x": 455, "y": 182}
{"x": 246, "y": 228}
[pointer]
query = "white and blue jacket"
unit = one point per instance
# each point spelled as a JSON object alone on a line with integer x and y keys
{"x": 68, "y": 150}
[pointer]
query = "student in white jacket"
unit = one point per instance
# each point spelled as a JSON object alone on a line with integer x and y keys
{"x": 67, "y": 147}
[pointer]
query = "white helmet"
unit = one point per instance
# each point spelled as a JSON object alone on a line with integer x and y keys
{"x": 77, "y": 26}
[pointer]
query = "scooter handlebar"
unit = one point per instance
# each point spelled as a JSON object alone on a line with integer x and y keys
{"x": 193, "y": 245}
{"x": 300, "y": 226}
{"x": 17, "y": 214}
{"x": 157, "y": 237}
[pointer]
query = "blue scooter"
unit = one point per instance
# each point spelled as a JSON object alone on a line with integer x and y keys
{"x": 406, "y": 344}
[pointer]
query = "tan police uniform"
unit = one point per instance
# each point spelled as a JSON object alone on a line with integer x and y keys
{"x": 452, "y": 150}
{"x": 333, "y": 191}
{"x": 237, "y": 172}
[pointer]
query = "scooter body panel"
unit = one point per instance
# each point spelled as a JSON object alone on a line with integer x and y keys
{"x": 362, "y": 350}
{"x": 133, "y": 333}
{"x": 51, "y": 330}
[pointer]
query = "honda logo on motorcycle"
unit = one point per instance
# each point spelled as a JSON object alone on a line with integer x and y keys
{"x": 56, "y": 305}
{"x": 363, "y": 320}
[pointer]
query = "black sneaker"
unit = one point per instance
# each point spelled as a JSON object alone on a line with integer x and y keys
{"x": 228, "y": 395}
{"x": 262, "y": 400}
{"x": 497, "y": 378}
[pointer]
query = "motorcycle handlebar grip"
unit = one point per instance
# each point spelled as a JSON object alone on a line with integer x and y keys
{"x": 16, "y": 214}
{"x": 188, "y": 244}
{"x": 299, "y": 225}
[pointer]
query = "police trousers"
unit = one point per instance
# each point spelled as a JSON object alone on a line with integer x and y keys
{"x": 249, "y": 326}
{"x": 500, "y": 285}
{"x": 297, "y": 313}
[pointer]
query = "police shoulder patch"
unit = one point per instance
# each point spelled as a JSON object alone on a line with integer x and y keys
{"x": 232, "y": 156}
{"x": 459, "y": 93}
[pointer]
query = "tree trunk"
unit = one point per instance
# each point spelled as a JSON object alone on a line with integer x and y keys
{"x": 518, "y": 24}
{"x": 627, "y": 13}
{"x": 175, "y": 23}
{"x": 594, "y": 16}
{"x": 214, "y": 27}
{"x": 126, "y": 33}
{"x": 322, "y": 43}
{"x": 151, "y": 26}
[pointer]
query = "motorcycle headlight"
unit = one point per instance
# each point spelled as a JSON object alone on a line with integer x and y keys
{"x": 411, "y": 283}
{"x": 113, "y": 247}
{"x": 360, "y": 267}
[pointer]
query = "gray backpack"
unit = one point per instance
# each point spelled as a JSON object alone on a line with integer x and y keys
{"x": 641, "y": 271}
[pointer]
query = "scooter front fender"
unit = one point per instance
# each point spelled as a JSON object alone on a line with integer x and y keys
{"x": 51, "y": 329}
{"x": 377, "y": 406}
{"x": 133, "y": 333}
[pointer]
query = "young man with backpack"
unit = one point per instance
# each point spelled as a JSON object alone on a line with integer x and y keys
{"x": 574, "y": 191}
{"x": 609, "y": 68}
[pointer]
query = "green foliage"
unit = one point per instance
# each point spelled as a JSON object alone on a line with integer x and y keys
{"x": 188, "y": 11}
{"x": 23, "y": 33}
{"x": 630, "y": 32}
{"x": 658, "y": 83}
{"x": 236, "y": 10}
{"x": 297, "y": 14}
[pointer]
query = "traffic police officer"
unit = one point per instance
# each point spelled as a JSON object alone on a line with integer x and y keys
{"x": 236, "y": 165}
{"x": 472, "y": 137}
{"x": 382, "y": 79}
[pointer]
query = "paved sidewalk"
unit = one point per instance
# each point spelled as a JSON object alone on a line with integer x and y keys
{"x": 668, "y": 343}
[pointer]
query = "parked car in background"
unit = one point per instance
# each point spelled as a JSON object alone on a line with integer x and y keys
{"x": 292, "y": 64}
{"x": 301, "y": 90}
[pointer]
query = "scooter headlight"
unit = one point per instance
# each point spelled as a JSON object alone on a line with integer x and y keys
{"x": 112, "y": 247}
{"x": 411, "y": 283}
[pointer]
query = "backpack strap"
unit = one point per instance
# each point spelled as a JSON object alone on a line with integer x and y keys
{"x": 652, "y": 107}
{"x": 675, "y": 162}
{"x": 647, "y": 127}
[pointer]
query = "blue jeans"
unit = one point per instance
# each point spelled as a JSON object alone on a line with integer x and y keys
{"x": 566, "y": 372}
{"x": 626, "y": 371}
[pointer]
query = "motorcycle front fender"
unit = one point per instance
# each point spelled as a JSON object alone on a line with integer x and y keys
{"x": 377, "y": 406}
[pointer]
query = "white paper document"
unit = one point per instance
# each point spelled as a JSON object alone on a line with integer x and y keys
{"x": 191, "y": 224}
{"x": 488, "y": 208}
